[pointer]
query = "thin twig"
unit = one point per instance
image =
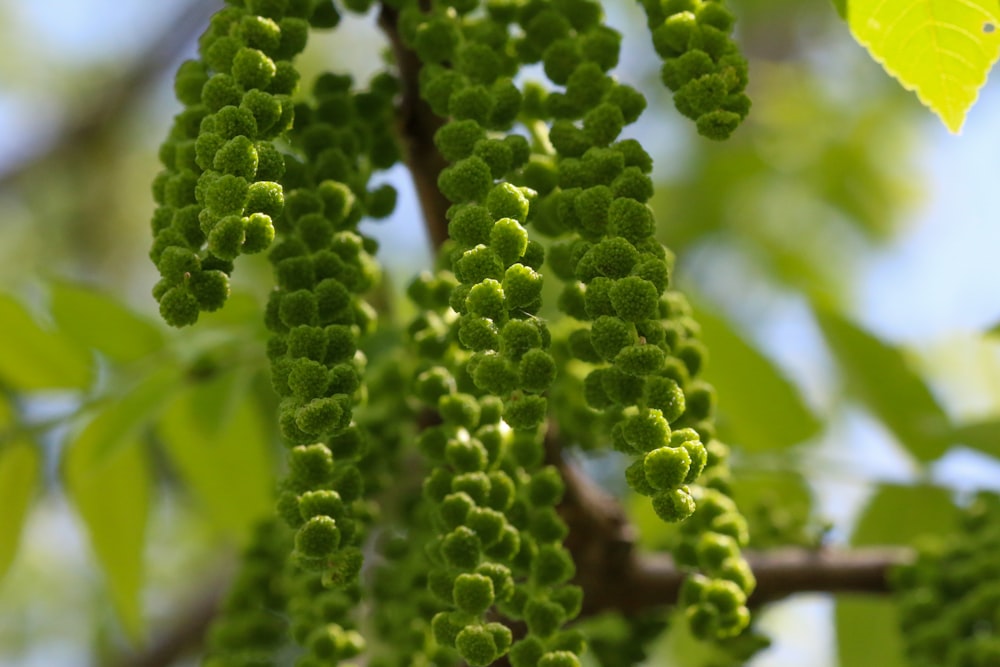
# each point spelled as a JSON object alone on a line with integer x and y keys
{"x": 416, "y": 125}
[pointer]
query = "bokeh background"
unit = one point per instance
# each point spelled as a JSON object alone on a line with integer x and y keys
{"x": 841, "y": 207}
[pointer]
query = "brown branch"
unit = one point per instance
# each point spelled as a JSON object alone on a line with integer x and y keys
{"x": 616, "y": 576}
{"x": 416, "y": 125}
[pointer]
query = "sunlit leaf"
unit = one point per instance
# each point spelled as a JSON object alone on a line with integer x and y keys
{"x": 216, "y": 437}
{"x": 111, "y": 492}
{"x": 20, "y": 464}
{"x": 879, "y": 375}
{"x": 941, "y": 49}
{"x": 99, "y": 321}
{"x": 759, "y": 408}
{"x": 34, "y": 358}
{"x": 868, "y": 629}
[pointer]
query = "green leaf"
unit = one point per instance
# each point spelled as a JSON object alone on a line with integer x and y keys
{"x": 103, "y": 323}
{"x": 34, "y": 358}
{"x": 759, "y": 409}
{"x": 841, "y": 7}
{"x": 119, "y": 418}
{"x": 941, "y": 49}
{"x": 215, "y": 436}
{"x": 111, "y": 491}
{"x": 868, "y": 629}
{"x": 880, "y": 376}
{"x": 20, "y": 464}
{"x": 984, "y": 436}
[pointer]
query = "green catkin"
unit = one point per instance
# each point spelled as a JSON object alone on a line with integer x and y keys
{"x": 249, "y": 168}
{"x": 949, "y": 597}
{"x": 701, "y": 63}
{"x": 218, "y": 195}
{"x": 252, "y": 625}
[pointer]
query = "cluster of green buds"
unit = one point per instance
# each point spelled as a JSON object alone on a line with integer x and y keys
{"x": 250, "y": 167}
{"x": 949, "y": 598}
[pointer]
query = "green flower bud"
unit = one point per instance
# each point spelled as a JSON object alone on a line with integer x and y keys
{"x": 522, "y": 286}
{"x": 232, "y": 121}
{"x": 324, "y": 502}
{"x": 310, "y": 466}
{"x": 543, "y": 617}
{"x": 179, "y": 307}
{"x": 559, "y": 659}
{"x": 552, "y": 566}
{"x": 297, "y": 308}
{"x": 527, "y": 652}
{"x": 525, "y": 412}
{"x": 478, "y": 333}
{"x": 667, "y": 467}
{"x": 461, "y": 548}
{"x": 509, "y": 240}
{"x": 473, "y": 593}
{"x": 536, "y": 371}
{"x": 609, "y": 335}
{"x": 673, "y": 505}
{"x": 476, "y": 645}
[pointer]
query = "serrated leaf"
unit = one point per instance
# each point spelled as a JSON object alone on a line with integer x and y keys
{"x": 760, "y": 409}
{"x": 880, "y": 376}
{"x": 34, "y": 358}
{"x": 103, "y": 323}
{"x": 215, "y": 436}
{"x": 20, "y": 464}
{"x": 868, "y": 630}
{"x": 940, "y": 49}
{"x": 111, "y": 491}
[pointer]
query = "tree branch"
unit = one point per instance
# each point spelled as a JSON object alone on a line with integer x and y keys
{"x": 616, "y": 576}
{"x": 416, "y": 126}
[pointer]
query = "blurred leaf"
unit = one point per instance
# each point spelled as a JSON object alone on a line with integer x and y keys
{"x": 940, "y": 49}
{"x": 760, "y": 410}
{"x": 880, "y": 376}
{"x": 984, "y": 436}
{"x": 103, "y": 323}
{"x": 215, "y": 435}
{"x": 37, "y": 359}
{"x": 20, "y": 464}
{"x": 841, "y": 7}
{"x": 868, "y": 629}
{"x": 111, "y": 490}
{"x": 119, "y": 418}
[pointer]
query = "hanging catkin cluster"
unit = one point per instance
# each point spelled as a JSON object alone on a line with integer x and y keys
{"x": 949, "y": 598}
{"x": 540, "y": 183}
